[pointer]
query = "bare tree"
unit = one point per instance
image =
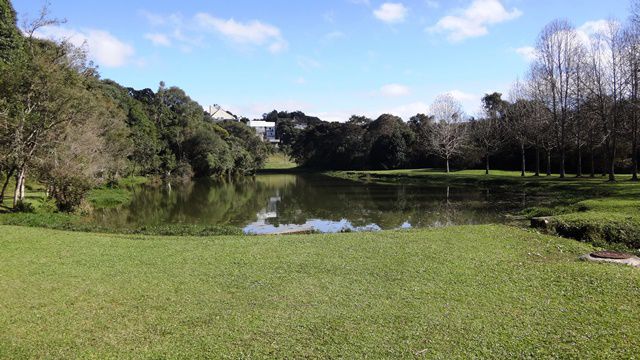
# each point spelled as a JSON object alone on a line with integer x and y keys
{"x": 449, "y": 134}
{"x": 579, "y": 115}
{"x": 521, "y": 116}
{"x": 606, "y": 85}
{"x": 557, "y": 55}
{"x": 632, "y": 61}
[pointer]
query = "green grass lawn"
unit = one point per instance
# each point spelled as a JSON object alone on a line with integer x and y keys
{"x": 279, "y": 161}
{"x": 459, "y": 292}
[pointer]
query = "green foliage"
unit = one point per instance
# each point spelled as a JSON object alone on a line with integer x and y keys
{"x": 389, "y": 151}
{"x": 69, "y": 192}
{"x": 109, "y": 197}
{"x": 72, "y": 131}
{"x": 10, "y": 39}
{"x": 209, "y": 154}
{"x": 24, "y": 207}
{"x": 385, "y": 143}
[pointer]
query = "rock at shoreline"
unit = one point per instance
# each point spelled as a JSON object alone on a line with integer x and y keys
{"x": 540, "y": 222}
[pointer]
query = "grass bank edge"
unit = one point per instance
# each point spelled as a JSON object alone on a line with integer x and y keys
{"x": 603, "y": 213}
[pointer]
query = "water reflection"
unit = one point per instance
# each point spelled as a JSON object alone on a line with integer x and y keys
{"x": 284, "y": 203}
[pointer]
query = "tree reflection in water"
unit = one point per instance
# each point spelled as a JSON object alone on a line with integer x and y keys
{"x": 273, "y": 203}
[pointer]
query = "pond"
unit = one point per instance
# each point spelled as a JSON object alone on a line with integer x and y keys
{"x": 267, "y": 204}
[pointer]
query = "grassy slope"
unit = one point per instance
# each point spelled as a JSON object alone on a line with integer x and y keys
{"x": 601, "y": 212}
{"x": 279, "y": 161}
{"x": 484, "y": 291}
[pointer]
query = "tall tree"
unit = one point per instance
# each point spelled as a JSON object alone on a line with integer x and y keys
{"x": 488, "y": 132}
{"x": 606, "y": 85}
{"x": 632, "y": 61}
{"x": 449, "y": 135}
{"x": 44, "y": 91}
{"x": 10, "y": 38}
{"x": 557, "y": 56}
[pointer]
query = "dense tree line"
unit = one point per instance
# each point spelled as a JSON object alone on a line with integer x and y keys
{"x": 62, "y": 125}
{"x": 576, "y": 110}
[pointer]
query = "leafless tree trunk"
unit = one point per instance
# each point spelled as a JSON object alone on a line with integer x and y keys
{"x": 523, "y": 167}
{"x": 537, "y": 174}
{"x": 18, "y": 194}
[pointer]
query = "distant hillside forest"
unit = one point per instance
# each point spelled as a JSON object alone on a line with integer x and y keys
{"x": 576, "y": 110}
{"x": 62, "y": 125}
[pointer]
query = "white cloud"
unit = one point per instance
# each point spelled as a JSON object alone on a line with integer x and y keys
{"x": 158, "y": 39}
{"x": 391, "y": 12}
{"x": 406, "y": 111}
{"x": 591, "y": 28}
{"x": 308, "y": 63}
{"x": 251, "y": 33}
{"x": 329, "y": 17}
{"x": 586, "y": 33}
{"x": 301, "y": 81}
{"x": 104, "y": 48}
{"x": 395, "y": 90}
{"x": 469, "y": 101}
{"x": 432, "y": 4}
{"x": 528, "y": 53}
{"x": 334, "y": 35}
{"x": 474, "y": 20}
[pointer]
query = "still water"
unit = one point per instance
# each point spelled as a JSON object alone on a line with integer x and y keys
{"x": 279, "y": 203}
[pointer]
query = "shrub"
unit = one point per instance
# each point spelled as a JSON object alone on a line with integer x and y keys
{"x": 24, "y": 207}
{"x": 68, "y": 192}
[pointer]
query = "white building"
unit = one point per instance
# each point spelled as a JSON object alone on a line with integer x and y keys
{"x": 266, "y": 130}
{"x": 219, "y": 114}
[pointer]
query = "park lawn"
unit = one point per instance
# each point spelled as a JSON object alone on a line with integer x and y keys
{"x": 463, "y": 176}
{"x": 458, "y": 292}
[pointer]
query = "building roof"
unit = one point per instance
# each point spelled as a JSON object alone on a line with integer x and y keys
{"x": 261, "y": 123}
{"x": 219, "y": 113}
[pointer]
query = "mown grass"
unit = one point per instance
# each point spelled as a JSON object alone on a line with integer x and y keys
{"x": 593, "y": 209}
{"x": 460, "y": 292}
{"x": 279, "y": 161}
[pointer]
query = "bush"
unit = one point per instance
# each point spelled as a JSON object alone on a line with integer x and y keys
{"x": 182, "y": 173}
{"x": 24, "y": 207}
{"x": 48, "y": 205}
{"x": 69, "y": 192}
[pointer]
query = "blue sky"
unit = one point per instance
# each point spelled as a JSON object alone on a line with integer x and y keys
{"x": 331, "y": 58}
